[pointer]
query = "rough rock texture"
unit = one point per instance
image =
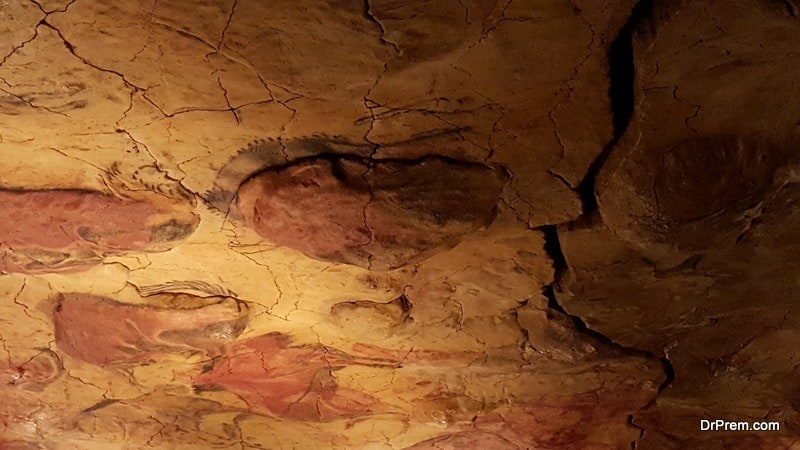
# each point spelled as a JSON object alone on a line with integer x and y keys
{"x": 494, "y": 224}
{"x": 697, "y": 204}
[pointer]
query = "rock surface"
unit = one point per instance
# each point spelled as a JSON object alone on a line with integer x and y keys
{"x": 696, "y": 205}
{"x": 495, "y": 224}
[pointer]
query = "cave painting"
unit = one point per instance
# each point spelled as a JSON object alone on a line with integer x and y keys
{"x": 276, "y": 377}
{"x": 291, "y": 381}
{"x": 57, "y": 230}
{"x": 139, "y": 333}
{"x": 301, "y": 382}
{"x": 377, "y": 214}
{"x": 560, "y": 225}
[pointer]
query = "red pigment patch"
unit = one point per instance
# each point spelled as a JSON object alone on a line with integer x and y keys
{"x": 44, "y": 230}
{"x": 101, "y": 331}
{"x": 294, "y": 382}
{"x": 380, "y": 215}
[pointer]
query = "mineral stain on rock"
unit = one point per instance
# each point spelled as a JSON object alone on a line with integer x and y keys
{"x": 48, "y": 230}
{"x": 376, "y": 214}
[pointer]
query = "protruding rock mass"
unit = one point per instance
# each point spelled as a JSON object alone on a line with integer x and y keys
{"x": 461, "y": 224}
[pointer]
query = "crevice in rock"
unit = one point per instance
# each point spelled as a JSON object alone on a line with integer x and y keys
{"x": 26, "y": 100}
{"x": 46, "y": 12}
{"x": 16, "y": 48}
{"x": 552, "y": 246}
{"x": 365, "y": 176}
{"x": 526, "y": 338}
{"x": 227, "y": 25}
{"x": 141, "y": 146}
{"x": 621, "y": 72}
{"x": 791, "y": 8}
{"x": 272, "y": 275}
{"x": 635, "y": 444}
{"x": 228, "y": 101}
{"x": 669, "y": 371}
{"x": 369, "y": 103}
{"x": 71, "y": 49}
{"x": 405, "y": 304}
{"x": 621, "y": 68}
{"x": 134, "y": 89}
{"x": 371, "y": 17}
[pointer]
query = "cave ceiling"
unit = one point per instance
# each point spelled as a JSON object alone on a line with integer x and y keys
{"x": 454, "y": 224}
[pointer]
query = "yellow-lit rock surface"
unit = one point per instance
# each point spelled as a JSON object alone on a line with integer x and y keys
{"x": 309, "y": 224}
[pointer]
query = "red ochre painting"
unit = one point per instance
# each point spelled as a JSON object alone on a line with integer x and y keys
{"x": 399, "y": 224}
{"x": 53, "y": 230}
{"x": 276, "y": 377}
